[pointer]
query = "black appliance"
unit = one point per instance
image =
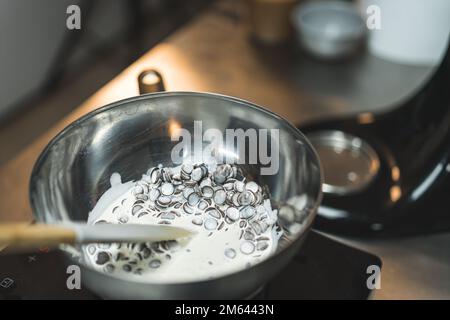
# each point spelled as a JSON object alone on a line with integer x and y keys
{"x": 388, "y": 174}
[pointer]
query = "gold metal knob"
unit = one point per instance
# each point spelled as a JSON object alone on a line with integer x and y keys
{"x": 150, "y": 81}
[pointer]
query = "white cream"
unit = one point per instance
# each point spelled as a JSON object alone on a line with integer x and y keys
{"x": 208, "y": 254}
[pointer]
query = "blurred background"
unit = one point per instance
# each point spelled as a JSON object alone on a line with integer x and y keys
{"x": 47, "y": 70}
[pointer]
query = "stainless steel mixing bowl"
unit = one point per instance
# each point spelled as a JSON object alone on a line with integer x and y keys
{"x": 131, "y": 135}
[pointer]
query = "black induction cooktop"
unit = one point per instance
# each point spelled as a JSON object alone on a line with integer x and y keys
{"x": 323, "y": 269}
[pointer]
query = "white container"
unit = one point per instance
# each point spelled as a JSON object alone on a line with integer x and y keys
{"x": 328, "y": 29}
{"x": 411, "y": 31}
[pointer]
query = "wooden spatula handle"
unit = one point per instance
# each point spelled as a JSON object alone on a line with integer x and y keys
{"x": 36, "y": 235}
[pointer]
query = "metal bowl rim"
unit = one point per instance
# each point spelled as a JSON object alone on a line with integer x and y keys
{"x": 119, "y": 103}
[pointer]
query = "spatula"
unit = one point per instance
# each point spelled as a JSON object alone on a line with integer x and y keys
{"x": 50, "y": 235}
